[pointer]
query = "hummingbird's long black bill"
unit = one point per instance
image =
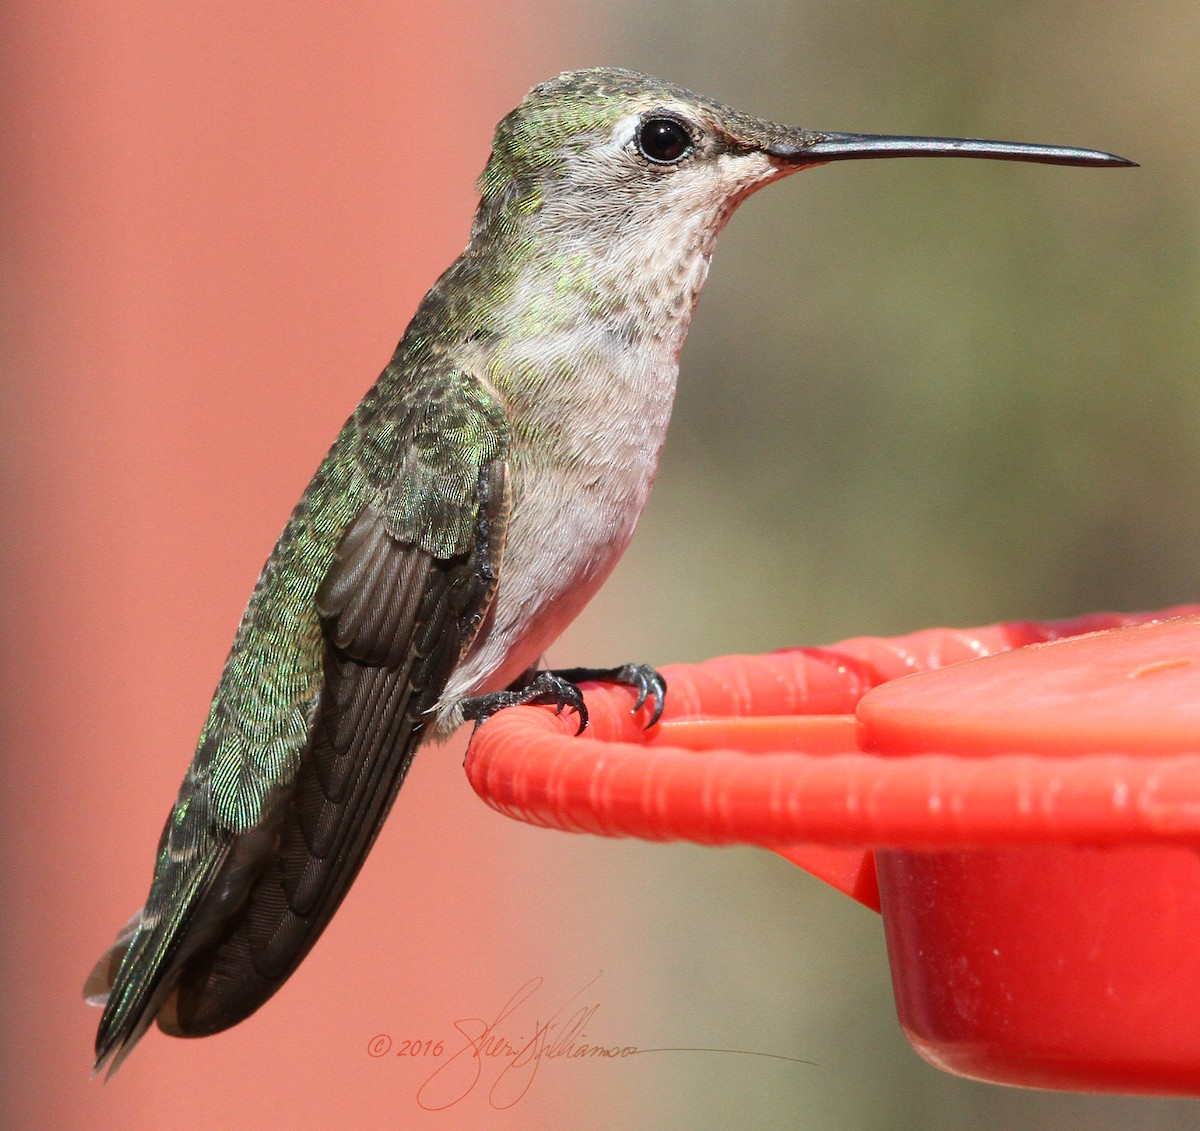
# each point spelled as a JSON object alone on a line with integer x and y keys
{"x": 850, "y": 147}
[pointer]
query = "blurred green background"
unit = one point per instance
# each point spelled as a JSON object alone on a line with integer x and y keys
{"x": 916, "y": 393}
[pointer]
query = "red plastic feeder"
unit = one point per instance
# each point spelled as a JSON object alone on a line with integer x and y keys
{"x": 1023, "y": 807}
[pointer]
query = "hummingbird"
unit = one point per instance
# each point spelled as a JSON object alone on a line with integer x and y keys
{"x": 471, "y": 506}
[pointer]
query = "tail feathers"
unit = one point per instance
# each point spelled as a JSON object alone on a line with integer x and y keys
{"x": 99, "y": 984}
{"x": 138, "y": 973}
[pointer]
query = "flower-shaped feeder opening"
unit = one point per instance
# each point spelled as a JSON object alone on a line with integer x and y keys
{"x": 1027, "y": 819}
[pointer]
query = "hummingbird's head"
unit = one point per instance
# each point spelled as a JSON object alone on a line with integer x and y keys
{"x": 599, "y": 151}
{"x": 605, "y": 150}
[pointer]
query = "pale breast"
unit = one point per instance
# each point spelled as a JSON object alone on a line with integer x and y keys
{"x": 587, "y": 378}
{"x": 585, "y": 453}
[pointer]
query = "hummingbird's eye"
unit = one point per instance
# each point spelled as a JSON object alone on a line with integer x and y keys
{"x": 663, "y": 140}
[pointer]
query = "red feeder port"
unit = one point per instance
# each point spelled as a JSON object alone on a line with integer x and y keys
{"x": 1023, "y": 806}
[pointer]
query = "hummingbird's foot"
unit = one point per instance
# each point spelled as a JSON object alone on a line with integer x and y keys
{"x": 544, "y": 687}
{"x": 647, "y": 682}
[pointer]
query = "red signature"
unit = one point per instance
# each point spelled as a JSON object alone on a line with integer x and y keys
{"x": 488, "y": 1051}
{"x": 488, "y": 1045}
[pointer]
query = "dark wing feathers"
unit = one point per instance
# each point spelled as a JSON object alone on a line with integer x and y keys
{"x": 369, "y": 601}
{"x": 412, "y": 579}
{"x": 389, "y": 654}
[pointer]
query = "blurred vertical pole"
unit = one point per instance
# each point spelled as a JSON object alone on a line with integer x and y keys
{"x": 216, "y": 221}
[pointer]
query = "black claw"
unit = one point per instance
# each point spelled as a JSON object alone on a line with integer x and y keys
{"x": 562, "y": 693}
{"x": 545, "y": 687}
{"x": 561, "y": 688}
{"x": 648, "y": 683}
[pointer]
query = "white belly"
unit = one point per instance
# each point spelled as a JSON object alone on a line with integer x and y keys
{"x": 588, "y": 398}
{"x": 580, "y": 479}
